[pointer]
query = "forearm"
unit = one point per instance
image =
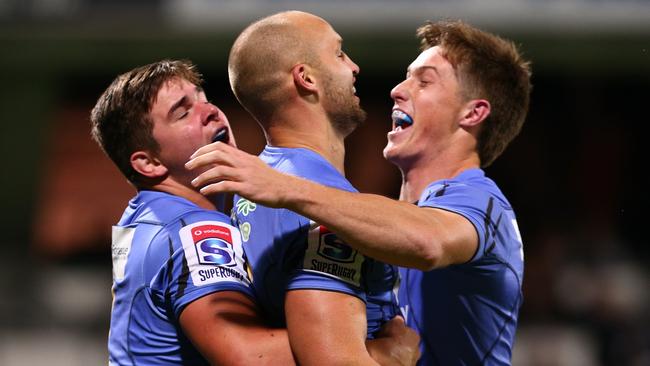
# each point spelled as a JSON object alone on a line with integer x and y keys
{"x": 391, "y": 231}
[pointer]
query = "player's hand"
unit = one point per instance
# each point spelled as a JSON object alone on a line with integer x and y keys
{"x": 396, "y": 344}
{"x": 227, "y": 169}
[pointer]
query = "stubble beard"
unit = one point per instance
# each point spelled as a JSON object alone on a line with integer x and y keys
{"x": 342, "y": 108}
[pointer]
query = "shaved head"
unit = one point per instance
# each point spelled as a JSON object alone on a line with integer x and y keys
{"x": 263, "y": 55}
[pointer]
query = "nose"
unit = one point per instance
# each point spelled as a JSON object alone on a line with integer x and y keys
{"x": 355, "y": 68}
{"x": 212, "y": 113}
{"x": 398, "y": 94}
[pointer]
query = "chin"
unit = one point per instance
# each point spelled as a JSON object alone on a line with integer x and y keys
{"x": 392, "y": 154}
{"x": 389, "y": 153}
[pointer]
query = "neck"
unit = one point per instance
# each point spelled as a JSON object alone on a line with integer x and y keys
{"x": 314, "y": 133}
{"x": 417, "y": 177}
{"x": 171, "y": 186}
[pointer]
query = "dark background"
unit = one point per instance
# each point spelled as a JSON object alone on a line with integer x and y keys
{"x": 575, "y": 175}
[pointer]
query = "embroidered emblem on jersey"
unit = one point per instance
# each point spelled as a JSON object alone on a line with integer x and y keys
{"x": 245, "y": 229}
{"x": 120, "y": 248}
{"x": 245, "y": 206}
{"x": 328, "y": 254}
{"x": 214, "y": 253}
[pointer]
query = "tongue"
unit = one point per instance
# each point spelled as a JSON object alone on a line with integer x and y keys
{"x": 222, "y": 135}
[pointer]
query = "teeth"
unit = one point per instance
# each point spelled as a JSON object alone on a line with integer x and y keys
{"x": 354, "y": 90}
{"x": 401, "y": 119}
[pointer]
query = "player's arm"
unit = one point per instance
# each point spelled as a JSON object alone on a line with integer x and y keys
{"x": 327, "y": 328}
{"x": 225, "y": 327}
{"x": 391, "y": 231}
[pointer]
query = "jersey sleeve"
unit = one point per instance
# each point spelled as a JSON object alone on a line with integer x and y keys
{"x": 328, "y": 264}
{"x": 206, "y": 256}
{"x": 475, "y": 205}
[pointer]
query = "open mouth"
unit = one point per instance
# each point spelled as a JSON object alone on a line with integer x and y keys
{"x": 221, "y": 135}
{"x": 401, "y": 120}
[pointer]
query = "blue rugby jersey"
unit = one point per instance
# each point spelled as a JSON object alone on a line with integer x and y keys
{"x": 287, "y": 251}
{"x": 467, "y": 314}
{"x": 167, "y": 252}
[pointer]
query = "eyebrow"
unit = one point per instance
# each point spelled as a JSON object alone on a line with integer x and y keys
{"x": 183, "y": 100}
{"x": 423, "y": 68}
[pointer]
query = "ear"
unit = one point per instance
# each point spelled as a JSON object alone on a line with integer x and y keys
{"x": 146, "y": 164}
{"x": 303, "y": 78}
{"x": 475, "y": 112}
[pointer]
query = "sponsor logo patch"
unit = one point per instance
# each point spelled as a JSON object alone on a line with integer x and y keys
{"x": 122, "y": 237}
{"x": 328, "y": 254}
{"x": 213, "y": 252}
{"x": 213, "y": 245}
{"x": 333, "y": 248}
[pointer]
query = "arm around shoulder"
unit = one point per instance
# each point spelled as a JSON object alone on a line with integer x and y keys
{"x": 391, "y": 231}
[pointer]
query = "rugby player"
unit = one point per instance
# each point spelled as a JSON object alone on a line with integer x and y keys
{"x": 290, "y": 72}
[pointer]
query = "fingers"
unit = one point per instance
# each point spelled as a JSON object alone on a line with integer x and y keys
{"x": 219, "y": 187}
{"x": 206, "y": 149}
{"x": 213, "y": 175}
{"x": 215, "y": 153}
{"x": 213, "y": 147}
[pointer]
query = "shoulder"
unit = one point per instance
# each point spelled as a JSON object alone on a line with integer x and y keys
{"x": 470, "y": 188}
{"x": 307, "y": 164}
{"x": 165, "y": 209}
{"x": 175, "y": 219}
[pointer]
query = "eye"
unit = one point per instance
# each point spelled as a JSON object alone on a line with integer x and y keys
{"x": 182, "y": 113}
{"x": 424, "y": 81}
{"x": 341, "y": 54}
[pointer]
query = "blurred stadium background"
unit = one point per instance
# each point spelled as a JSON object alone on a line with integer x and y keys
{"x": 574, "y": 175}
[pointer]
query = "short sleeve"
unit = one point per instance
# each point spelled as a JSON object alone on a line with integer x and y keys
{"x": 207, "y": 257}
{"x": 471, "y": 203}
{"x": 329, "y": 264}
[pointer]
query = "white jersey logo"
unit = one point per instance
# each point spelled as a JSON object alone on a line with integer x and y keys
{"x": 122, "y": 239}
